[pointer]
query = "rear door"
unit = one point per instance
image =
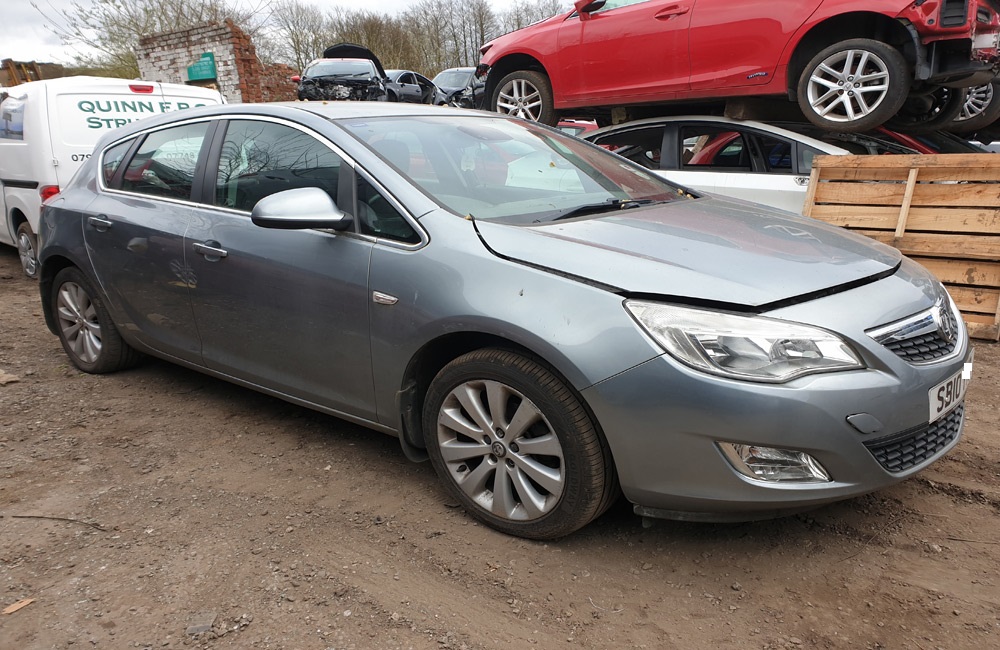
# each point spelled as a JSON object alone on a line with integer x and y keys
{"x": 135, "y": 228}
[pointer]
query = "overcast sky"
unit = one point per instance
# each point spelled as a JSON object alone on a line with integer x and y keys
{"x": 24, "y": 37}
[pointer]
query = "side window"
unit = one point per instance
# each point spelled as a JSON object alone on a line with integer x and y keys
{"x": 615, "y": 4}
{"x": 705, "y": 147}
{"x": 165, "y": 162}
{"x": 806, "y": 155}
{"x": 777, "y": 153}
{"x": 378, "y": 217}
{"x": 262, "y": 158}
{"x": 112, "y": 159}
{"x": 638, "y": 145}
{"x": 407, "y": 79}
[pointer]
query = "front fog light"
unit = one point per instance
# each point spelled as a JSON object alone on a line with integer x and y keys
{"x": 773, "y": 465}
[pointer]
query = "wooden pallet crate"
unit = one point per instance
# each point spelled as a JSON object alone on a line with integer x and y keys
{"x": 943, "y": 211}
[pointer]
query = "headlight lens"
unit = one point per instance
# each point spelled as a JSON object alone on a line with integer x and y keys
{"x": 743, "y": 347}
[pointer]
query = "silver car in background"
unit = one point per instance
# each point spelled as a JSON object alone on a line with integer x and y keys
{"x": 551, "y": 324}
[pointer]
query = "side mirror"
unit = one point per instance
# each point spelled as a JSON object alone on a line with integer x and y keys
{"x": 584, "y": 7}
{"x": 299, "y": 209}
{"x": 296, "y": 78}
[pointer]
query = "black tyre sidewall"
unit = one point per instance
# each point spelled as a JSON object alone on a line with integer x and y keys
{"x": 944, "y": 118}
{"x": 541, "y": 83}
{"x": 590, "y": 483}
{"x": 900, "y": 79}
{"x": 115, "y": 353}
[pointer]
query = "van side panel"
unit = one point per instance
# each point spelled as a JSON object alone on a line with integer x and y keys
{"x": 25, "y": 160}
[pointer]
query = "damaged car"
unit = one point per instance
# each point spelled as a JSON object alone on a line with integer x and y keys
{"x": 346, "y": 72}
{"x": 850, "y": 66}
{"x": 459, "y": 87}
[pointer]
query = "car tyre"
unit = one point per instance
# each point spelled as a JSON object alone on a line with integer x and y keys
{"x": 27, "y": 249}
{"x": 85, "y": 328}
{"x": 928, "y": 111}
{"x": 980, "y": 109}
{"x": 526, "y": 94}
{"x": 515, "y": 446}
{"x": 826, "y": 85}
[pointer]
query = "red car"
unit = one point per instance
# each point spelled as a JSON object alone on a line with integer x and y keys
{"x": 851, "y": 64}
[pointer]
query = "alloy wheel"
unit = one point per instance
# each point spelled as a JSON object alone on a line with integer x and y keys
{"x": 520, "y": 98}
{"x": 500, "y": 450}
{"x": 78, "y": 322}
{"x": 26, "y": 251}
{"x": 848, "y": 85}
{"x": 977, "y": 99}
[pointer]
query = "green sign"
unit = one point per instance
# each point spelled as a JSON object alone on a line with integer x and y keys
{"x": 203, "y": 69}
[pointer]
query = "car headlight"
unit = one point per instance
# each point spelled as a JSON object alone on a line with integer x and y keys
{"x": 752, "y": 348}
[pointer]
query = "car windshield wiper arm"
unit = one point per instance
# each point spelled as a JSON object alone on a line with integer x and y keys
{"x": 603, "y": 206}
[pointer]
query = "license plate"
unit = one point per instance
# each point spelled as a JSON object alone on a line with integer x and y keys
{"x": 949, "y": 393}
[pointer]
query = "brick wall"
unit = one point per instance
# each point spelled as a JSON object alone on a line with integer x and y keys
{"x": 241, "y": 77}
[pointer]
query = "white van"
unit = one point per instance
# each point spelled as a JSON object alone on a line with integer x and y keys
{"x": 48, "y": 128}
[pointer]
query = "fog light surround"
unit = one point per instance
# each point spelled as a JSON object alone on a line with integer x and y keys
{"x": 773, "y": 465}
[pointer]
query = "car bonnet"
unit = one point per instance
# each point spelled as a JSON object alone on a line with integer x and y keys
{"x": 710, "y": 250}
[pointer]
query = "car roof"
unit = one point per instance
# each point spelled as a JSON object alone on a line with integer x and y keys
{"x": 825, "y": 147}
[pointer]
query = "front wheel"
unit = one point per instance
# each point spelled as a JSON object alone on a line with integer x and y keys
{"x": 27, "y": 249}
{"x": 526, "y": 94}
{"x": 85, "y": 328}
{"x": 854, "y": 85}
{"x": 515, "y": 446}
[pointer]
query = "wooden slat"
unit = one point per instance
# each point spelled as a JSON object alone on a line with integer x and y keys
{"x": 982, "y": 301}
{"x": 974, "y": 195}
{"x": 940, "y": 161}
{"x": 938, "y": 245}
{"x": 963, "y": 220}
{"x": 978, "y": 174}
{"x": 860, "y": 193}
{"x": 982, "y": 274}
{"x": 904, "y": 209}
{"x": 811, "y": 191}
{"x": 990, "y": 332}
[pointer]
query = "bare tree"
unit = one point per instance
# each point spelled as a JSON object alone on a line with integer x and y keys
{"x": 523, "y": 14}
{"x": 299, "y": 32}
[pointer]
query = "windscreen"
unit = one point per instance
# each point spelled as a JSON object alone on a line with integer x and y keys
{"x": 353, "y": 68}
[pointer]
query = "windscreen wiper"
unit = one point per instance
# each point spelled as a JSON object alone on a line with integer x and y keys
{"x": 603, "y": 206}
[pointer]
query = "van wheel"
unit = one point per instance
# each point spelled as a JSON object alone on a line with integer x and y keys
{"x": 85, "y": 328}
{"x": 854, "y": 85}
{"x": 27, "y": 250}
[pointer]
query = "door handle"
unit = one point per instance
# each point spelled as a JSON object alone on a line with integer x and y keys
{"x": 801, "y": 180}
{"x": 672, "y": 12}
{"x": 100, "y": 223}
{"x": 210, "y": 250}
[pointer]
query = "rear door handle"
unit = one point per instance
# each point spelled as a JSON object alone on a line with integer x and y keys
{"x": 210, "y": 250}
{"x": 672, "y": 11}
{"x": 100, "y": 223}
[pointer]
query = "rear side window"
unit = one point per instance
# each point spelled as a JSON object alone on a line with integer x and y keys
{"x": 165, "y": 163}
{"x": 261, "y": 158}
{"x": 113, "y": 159}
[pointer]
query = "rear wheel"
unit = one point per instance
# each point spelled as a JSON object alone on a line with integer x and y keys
{"x": 526, "y": 94}
{"x": 27, "y": 249}
{"x": 929, "y": 110}
{"x": 85, "y": 328}
{"x": 854, "y": 85}
{"x": 981, "y": 109}
{"x": 515, "y": 446}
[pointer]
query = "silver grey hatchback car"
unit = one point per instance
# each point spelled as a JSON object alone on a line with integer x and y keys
{"x": 551, "y": 324}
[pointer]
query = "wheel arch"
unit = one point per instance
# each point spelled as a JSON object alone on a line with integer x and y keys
{"x": 46, "y": 275}
{"x": 428, "y": 361}
{"x": 509, "y": 63}
{"x": 856, "y": 24}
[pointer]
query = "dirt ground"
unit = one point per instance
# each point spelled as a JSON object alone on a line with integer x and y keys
{"x": 159, "y": 508}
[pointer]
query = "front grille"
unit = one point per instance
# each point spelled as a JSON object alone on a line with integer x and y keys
{"x": 922, "y": 338}
{"x": 954, "y": 13}
{"x": 901, "y": 451}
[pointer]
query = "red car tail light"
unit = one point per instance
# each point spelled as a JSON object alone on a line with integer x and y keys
{"x": 48, "y": 191}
